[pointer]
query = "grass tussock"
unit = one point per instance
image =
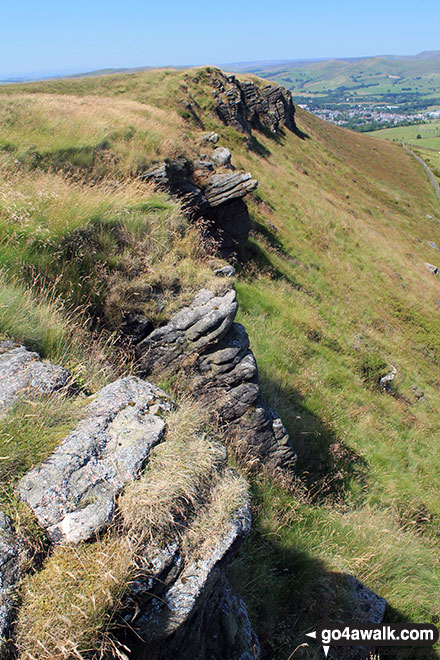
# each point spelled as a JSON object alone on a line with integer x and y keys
{"x": 213, "y": 521}
{"x": 109, "y": 248}
{"x": 67, "y": 607}
{"x": 177, "y": 478}
{"x": 39, "y": 320}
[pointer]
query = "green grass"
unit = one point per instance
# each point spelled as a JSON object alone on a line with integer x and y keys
{"x": 368, "y": 77}
{"x": 429, "y": 134}
{"x": 334, "y": 292}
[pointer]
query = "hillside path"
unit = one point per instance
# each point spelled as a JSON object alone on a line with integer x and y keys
{"x": 431, "y": 176}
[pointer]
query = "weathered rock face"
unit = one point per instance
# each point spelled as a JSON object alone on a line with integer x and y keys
{"x": 23, "y": 374}
{"x": 244, "y": 105}
{"x": 164, "y": 615}
{"x": 179, "y": 586}
{"x": 12, "y": 560}
{"x": 217, "y": 630}
{"x": 367, "y": 607}
{"x": 184, "y": 606}
{"x": 72, "y": 493}
{"x": 223, "y": 372}
{"x": 218, "y": 197}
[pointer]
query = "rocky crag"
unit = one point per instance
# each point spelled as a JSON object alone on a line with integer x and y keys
{"x": 179, "y": 602}
{"x": 220, "y": 370}
{"x": 180, "y": 598}
{"x": 208, "y": 183}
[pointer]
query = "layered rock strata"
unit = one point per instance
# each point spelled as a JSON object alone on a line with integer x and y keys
{"x": 244, "y": 105}
{"x": 204, "y": 340}
{"x": 216, "y": 195}
{"x": 23, "y": 374}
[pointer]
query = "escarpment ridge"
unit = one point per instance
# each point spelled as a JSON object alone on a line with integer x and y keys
{"x": 151, "y": 272}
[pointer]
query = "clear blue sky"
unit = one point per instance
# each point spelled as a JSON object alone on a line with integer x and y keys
{"x": 79, "y": 35}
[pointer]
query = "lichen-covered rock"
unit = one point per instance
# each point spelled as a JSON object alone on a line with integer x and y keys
{"x": 225, "y": 271}
{"x": 195, "y": 614}
{"x": 245, "y": 105}
{"x": 72, "y": 493}
{"x": 223, "y": 373}
{"x": 12, "y": 559}
{"x": 365, "y": 607}
{"x": 165, "y": 615}
{"x": 219, "y": 628}
{"x": 23, "y": 374}
{"x": 368, "y": 606}
{"x": 221, "y": 157}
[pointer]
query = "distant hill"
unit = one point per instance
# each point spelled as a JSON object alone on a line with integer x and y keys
{"x": 364, "y": 93}
{"x": 320, "y": 76}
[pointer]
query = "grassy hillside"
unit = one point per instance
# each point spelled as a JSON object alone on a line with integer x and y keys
{"x": 364, "y": 77}
{"x": 332, "y": 289}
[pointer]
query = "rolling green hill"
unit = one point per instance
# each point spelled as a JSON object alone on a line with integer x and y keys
{"x": 368, "y": 78}
{"x": 333, "y": 291}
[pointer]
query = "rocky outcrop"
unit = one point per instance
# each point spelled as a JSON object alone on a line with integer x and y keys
{"x": 218, "y": 630}
{"x": 173, "y": 604}
{"x": 366, "y": 607}
{"x": 73, "y": 492}
{"x": 215, "y": 196}
{"x": 23, "y": 374}
{"x": 221, "y": 370}
{"x": 245, "y": 105}
{"x": 197, "y": 575}
{"x": 12, "y": 562}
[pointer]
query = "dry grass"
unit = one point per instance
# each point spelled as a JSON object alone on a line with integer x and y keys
{"x": 178, "y": 476}
{"x": 91, "y": 132}
{"x": 68, "y": 606}
{"x": 213, "y": 521}
{"x": 39, "y": 320}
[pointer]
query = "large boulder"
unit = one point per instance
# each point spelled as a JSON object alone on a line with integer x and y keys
{"x": 23, "y": 374}
{"x": 12, "y": 564}
{"x": 223, "y": 373}
{"x": 72, "y": 493}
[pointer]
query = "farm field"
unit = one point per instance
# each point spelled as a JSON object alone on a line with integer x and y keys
{"x": 430, "y": 134}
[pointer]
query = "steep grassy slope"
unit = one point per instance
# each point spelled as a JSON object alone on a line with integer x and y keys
{"x": 333, "y": 292}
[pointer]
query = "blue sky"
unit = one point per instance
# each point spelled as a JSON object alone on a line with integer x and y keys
{"x": 46, "y": 36}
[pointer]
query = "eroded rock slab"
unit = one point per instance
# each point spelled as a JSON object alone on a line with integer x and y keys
{"x": 12, "y": 558}
{"x": 23, "y": 374}
{"x": 72, "y": 493}
{"x": 206, "y": 320}
{"x": 223, "y": 373}
{"x": 197, "y": 614}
